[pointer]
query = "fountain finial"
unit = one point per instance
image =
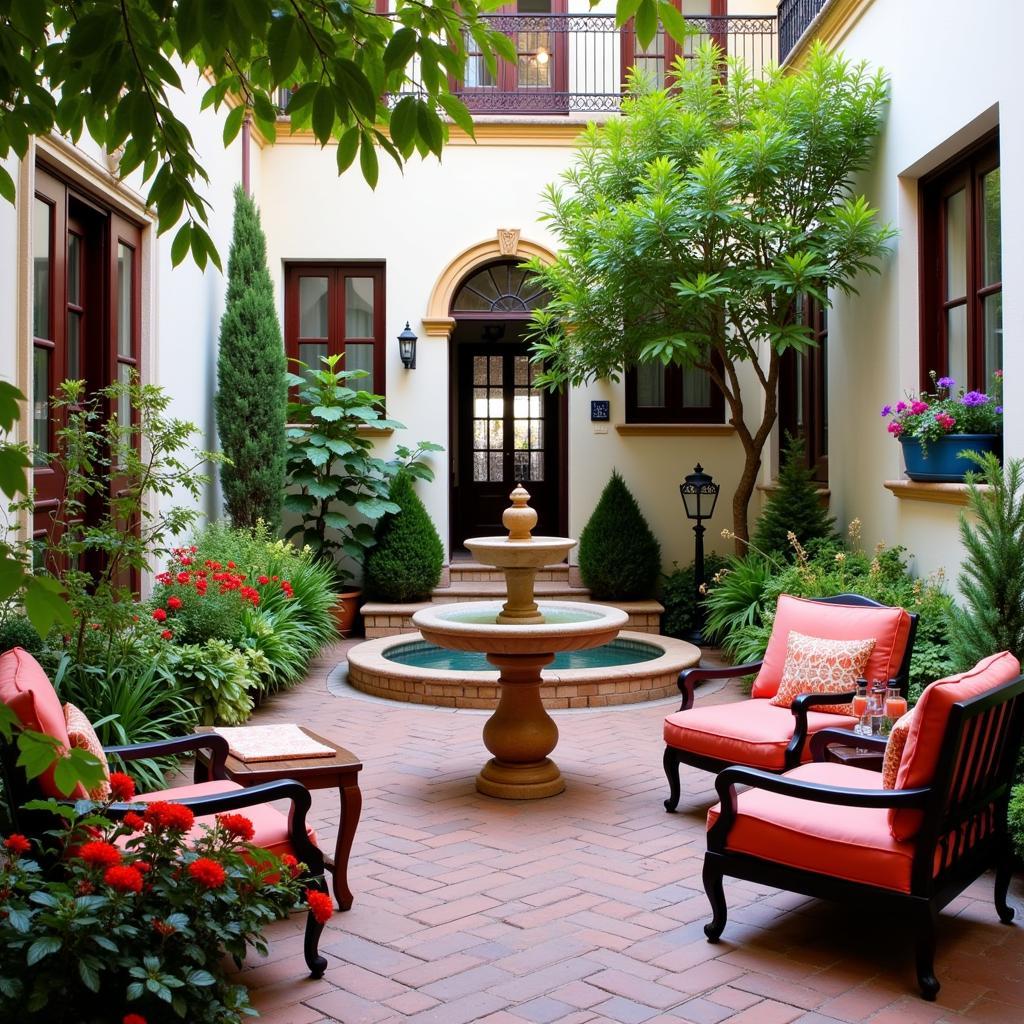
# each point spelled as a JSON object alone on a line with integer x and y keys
{"x": 519, "y": 519}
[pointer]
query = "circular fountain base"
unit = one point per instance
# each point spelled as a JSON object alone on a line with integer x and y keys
{"x": 520, "y": 782}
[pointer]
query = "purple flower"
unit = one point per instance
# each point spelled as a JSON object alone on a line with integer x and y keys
{"x": 901, "y": 406}
{"x": 974, "y": 398}
{"x": 999, "y": 410}
{"x": 886, "y": 410}
{"x": 946, "y": 382}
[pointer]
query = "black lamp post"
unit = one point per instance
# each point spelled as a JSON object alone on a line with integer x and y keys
{"x": 407, "y": 347}
{"x": 699, "y": 493}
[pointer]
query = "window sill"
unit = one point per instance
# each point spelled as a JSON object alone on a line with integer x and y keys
{"x": 676, "y": 429}
{"x": 944, "y": 494}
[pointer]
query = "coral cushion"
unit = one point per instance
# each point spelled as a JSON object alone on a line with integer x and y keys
{"x": 750, "y": 732}
{"x": 26, "y": 690}
{"x": 815, "y": 665}
{"x": 270, "y": 825}
{"x": 83, "y": 736}
{"x": 890, "y": 628}
{"x": 894, "y": 748}
{"x": 928, "y": 728}
{"x": 853, "y": 843}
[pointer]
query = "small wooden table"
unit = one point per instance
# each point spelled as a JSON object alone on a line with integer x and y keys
{"x": 341, "y": 770}
{"x": 856, "y": 757}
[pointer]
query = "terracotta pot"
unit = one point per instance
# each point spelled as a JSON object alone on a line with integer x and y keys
{"x": 346, "y": 607}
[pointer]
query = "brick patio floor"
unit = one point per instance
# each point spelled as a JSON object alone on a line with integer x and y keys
{"x": 588, "y": 907}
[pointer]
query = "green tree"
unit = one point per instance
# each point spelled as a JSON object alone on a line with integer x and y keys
{"x": 251, "y": 391}
{"x": 991, "y": 580}
{"x": 619, "y": 555}
{"x": 112, "y": 67}
{"x": 692, "y": 227}
{"x": 794, "y": 506}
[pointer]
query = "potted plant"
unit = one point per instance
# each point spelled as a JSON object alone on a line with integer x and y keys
{"x": 935, "y": 427}
{"x": 338, "y": 487}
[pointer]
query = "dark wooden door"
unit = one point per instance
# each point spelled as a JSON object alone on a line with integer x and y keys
{"x": 507, "y": 434}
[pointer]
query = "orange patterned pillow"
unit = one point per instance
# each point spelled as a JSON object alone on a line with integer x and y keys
{"x": 816, "y": 665}
{"x": 83, "y": 736}
{"x": 894, "y": 749}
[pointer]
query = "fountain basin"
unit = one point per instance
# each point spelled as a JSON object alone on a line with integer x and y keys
{"x": 534, "y": 553}
{"x": 652, "y": 675}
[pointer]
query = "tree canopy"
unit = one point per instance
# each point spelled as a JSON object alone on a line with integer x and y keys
{"x": 692, "y": 227}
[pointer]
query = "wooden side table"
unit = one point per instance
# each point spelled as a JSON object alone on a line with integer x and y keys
{"x": 862, "y": 758}
{"x": 341, "y": 770}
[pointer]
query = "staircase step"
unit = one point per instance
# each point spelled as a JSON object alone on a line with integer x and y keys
{"x": 474, "y": 572}
{"x": 485, "y": 590}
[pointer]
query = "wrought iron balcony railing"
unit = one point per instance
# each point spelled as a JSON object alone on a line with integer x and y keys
{"x": 794, "y": 17}
{"x": 578, "y": 63}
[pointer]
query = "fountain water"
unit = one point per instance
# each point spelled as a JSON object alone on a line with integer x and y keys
{"x": 519, "y": 638}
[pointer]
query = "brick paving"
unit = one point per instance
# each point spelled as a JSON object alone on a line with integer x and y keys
{"x": 586, "y": 908}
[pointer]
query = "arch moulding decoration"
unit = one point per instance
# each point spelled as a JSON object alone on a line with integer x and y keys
{"x": 438, "y": 321}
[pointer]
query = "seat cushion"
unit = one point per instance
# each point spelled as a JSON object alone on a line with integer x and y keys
{"x": 842, "y": 842}
{"x": 751, "y": 732}
{"x": 928, "y": 728}
{"x": 28, "y": 692}
{"x": 890, "y": 628}
{"x": 269, "y": 825}
{"x": 816, "y": 665}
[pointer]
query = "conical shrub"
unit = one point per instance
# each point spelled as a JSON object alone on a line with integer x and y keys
{"x": 619, "y": 556}
{"x": 405, "y": 563}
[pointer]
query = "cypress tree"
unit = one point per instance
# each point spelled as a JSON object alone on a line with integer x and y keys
{"x": 251, "y": 393}
{"x": 619, "y": 555}
{"x": 795, "y": 505}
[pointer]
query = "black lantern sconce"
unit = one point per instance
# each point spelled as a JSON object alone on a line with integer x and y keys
{"x": 699, "y": 493}
{"x": 407, "y": 347}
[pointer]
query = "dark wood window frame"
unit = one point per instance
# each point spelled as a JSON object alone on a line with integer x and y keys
{"x": 803, "y": 387}
{"x": 674, "y": 410}
{"x": 336, "y": 341}
{"x": 672, "y": 49}
{"x": 965, "y": 171}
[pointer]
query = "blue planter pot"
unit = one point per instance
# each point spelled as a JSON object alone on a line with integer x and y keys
{"x": 942, "y": 463}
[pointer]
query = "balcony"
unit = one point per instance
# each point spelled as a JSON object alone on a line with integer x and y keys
{"x": 576, "y": 64}
{"x": 794, "y": 17}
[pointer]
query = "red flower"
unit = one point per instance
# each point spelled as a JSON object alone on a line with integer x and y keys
{"x": 160, "y": 615}
{"x": 134, "y": 821}
{"x": 133, "y": 1018}
{"x": 17, "y": 844}
{"x": 320, "y": 905}
{"x": 85, "y": 888}
{"x": 174, "y": 602}
{"x": 264, "y": 580}
{"x": 166, "y": 635}
{"x": 100, "y": 855}
{"x": 161, "y": 815}
{"x": 193, "y": 549}
{"x": 237, "y": 825}
{"x": 122, "y": 787}
{"x": 123, "y": 879}
{"x": 182, "y": 578}
{"x": 142, "y": 866}
{"x": 291, "y": 864}
{"x": 208, "y": 873}
{"x": 231, "y": 565}
{"x": 162, "y": 927}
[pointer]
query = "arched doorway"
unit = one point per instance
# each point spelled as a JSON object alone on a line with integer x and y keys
{"x": 504, "y": 429}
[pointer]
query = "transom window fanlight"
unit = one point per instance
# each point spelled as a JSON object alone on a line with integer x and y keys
{"x": 502, "y": 287}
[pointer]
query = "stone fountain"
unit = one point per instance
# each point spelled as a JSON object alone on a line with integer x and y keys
{"x": 519, "y": 638}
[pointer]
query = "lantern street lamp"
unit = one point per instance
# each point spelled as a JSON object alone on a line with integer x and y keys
{"x": 699, "y": 493}
{"x": 407, "y": 347}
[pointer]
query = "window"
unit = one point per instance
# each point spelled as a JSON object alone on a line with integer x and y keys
{"x": 337, "y": 309}
{"x": 655, "y": 60}
{"x": 672, "y": 394}
{"x": 961, "y": 267}
{"x": 803, "y": 391}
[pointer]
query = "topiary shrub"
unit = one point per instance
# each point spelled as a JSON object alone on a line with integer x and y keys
{"x": 794, "y": 506}
{"x": 17, "y": 631}
{"x": 405, "y": 562}
{"x": 619, "y": 556}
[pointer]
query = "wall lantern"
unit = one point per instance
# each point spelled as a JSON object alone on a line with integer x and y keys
{"x": 699, "y": 493}
{"x": 542, "y": 56}
{"x": 407, "y": 347}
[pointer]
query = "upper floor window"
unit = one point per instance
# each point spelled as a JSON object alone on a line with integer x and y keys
{"x": 656, "y": 393}
{"x": 803, "y": 390}
{"x": 961, "y": 268}
{"x": 337, "y": 309}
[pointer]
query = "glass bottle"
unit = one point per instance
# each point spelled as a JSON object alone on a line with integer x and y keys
{"x": 860, "y": 708}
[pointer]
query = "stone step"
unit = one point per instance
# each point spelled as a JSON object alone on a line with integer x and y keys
{"x": 489, "y": 590}
{"x": 475, "y": 572}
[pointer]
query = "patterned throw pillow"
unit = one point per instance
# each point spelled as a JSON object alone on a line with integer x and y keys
{"x": 894, "y": 749}
{"x": 83, "y": 736}
{"x": 816, "y": 665}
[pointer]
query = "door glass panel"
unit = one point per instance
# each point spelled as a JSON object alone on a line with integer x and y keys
{"x": 313, "y": 307}
{"x": 41, "y": 269}
{"x": 311, "y": 352}
{"x": 479, "y": 467}
{"x": 74, "y": 346}
{"x": 358, "y": 307}
{"x": 991, "y": 242}
{"x": 496, "y": 370}
{"x": 360, "y": 357}
{"x": 993, "y": 333}
{"x": 124, "y": 408}
{"x": 536, "y": 466}
{"x": 125, "y": 298}
{"x": 956, "y": 246}
{"x": 74, "y": 269}
{"x": 41, "y": 403}
{"x": 650, "y": 385}
{"x": 496, "y": 467}
{"x": 956, "y": 342}
{"x": 479, "y": 369}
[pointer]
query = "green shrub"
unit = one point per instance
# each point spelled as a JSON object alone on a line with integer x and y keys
{"x": 619, "y": 556}
{"x": 1015, "y": 817}
{"x": 679, "y": 596}
{"x": 202, "y": 617}
{"x": 736, "y": 599}
{"x": 219, "y": 679}
{"x": 17, "y": 631}
{"x": 405, "y": 563}
{"x": 284, "y": 643}
{"x": 794, "y": 506}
